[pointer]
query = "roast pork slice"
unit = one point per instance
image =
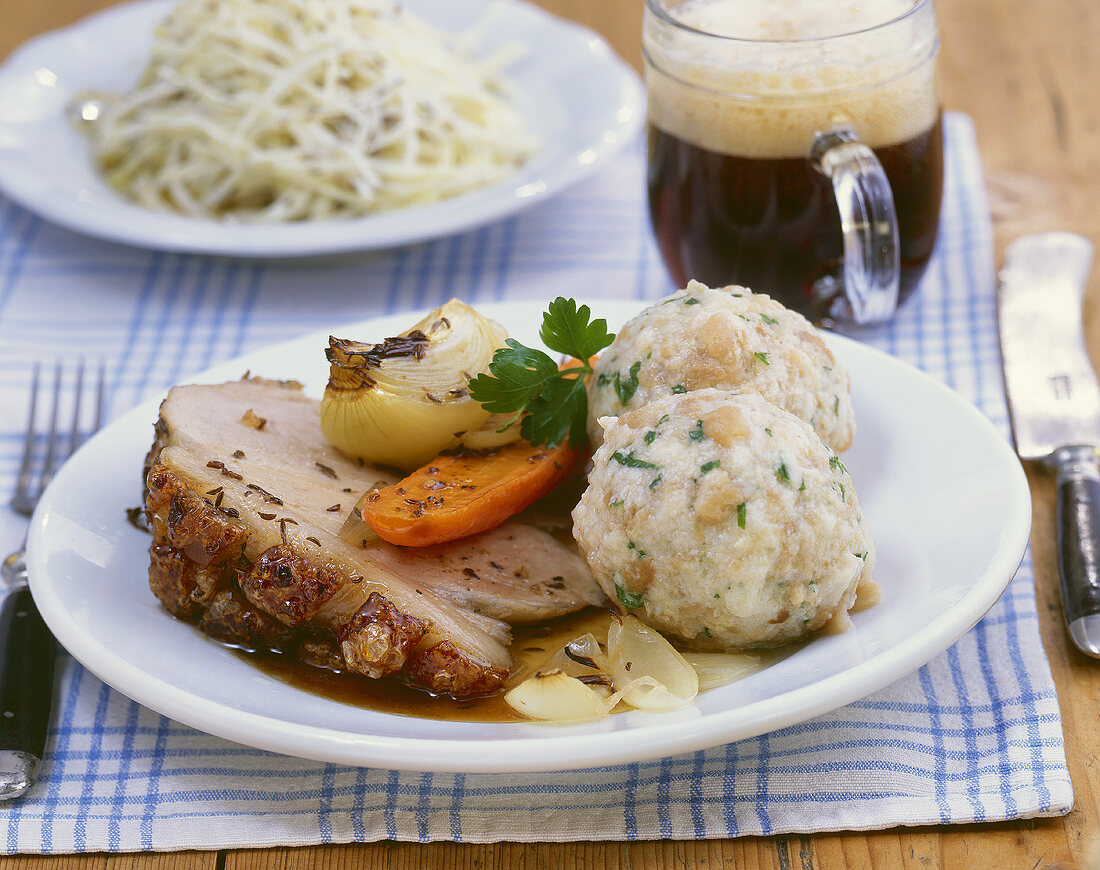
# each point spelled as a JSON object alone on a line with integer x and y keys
{"x": 246, "y": 499}
{"x": 516, "y": 573}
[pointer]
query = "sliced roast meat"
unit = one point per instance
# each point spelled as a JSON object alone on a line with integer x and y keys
{"x": 515, "y": 572}
{"x": 246, "y": 500}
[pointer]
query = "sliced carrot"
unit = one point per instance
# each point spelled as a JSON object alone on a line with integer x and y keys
{"x": 461, "y": 494}
{"x": 465, "y": 493}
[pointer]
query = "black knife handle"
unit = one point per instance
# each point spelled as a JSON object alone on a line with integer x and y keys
{"x": 26, "y": 691}
{"x": 1079, "y": 534}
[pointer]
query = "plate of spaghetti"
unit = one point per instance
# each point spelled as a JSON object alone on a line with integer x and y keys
{"x": 290, "y": 128}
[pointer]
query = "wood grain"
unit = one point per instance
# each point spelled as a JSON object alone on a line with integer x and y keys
{"x": 1028, "y": 73}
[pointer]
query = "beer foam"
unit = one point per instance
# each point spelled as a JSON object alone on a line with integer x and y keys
{"x": 787, "y": 20}
{"x": 765, "y": 75}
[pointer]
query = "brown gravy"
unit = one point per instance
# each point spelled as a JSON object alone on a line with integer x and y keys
{"x": 531, "y": 646}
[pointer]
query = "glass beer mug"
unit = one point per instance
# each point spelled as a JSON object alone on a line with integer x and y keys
{"x": 796, "y": 147}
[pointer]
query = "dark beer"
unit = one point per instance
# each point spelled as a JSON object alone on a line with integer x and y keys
{"x": 744, "y": 96}
{"x": 772, "y": 223}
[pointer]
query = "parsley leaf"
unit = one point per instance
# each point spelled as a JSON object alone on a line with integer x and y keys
{"x": 630, "y": 461}
{"x": 526, "y": 381}
{"x": 625, "y": 388}
{"x": 569, "y": 330}
{"x": 516, "y": 374}
{"x": 560, "y": 409}
{"x": 628, "y": 599}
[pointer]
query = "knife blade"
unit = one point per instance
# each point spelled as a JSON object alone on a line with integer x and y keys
{"x": 1054, "y": 404}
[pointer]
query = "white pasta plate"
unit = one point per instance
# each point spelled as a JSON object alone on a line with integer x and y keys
{"x": 577, "y": 95}
{"x": 942, "y": 492}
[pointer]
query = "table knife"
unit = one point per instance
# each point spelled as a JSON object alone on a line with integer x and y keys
{"x": 1054, "y": 404}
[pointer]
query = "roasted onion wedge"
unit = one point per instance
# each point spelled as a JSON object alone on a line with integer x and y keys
{"x": 553, "y": 696}
{"x": 640, "y": 669}
{"x": 402, "y": 401}
{"x": 636, "y": 651}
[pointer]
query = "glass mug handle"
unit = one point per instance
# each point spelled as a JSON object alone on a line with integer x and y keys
{"x": 868, "y": 223}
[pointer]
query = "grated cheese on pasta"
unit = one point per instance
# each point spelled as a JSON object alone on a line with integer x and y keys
{"x": 288, "y": 110}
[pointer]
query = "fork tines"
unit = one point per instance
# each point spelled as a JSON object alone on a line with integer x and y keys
{"x": 58, "y": 446}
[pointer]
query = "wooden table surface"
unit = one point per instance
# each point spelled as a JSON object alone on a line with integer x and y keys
{"x": 1028, "y": 73}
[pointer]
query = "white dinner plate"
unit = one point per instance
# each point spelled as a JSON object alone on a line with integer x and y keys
{"x": 943, "y": 494}
{"x": 580, "y": 98}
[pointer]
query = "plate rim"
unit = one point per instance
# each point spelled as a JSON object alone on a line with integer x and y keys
{"x": 133, "y": 225}
{"x": 575, "y": 751}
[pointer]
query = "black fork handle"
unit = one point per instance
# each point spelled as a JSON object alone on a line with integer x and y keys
{"x": 26, "y": 691}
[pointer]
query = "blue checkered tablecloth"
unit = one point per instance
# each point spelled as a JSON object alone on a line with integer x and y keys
{"x": 975, "y": 735}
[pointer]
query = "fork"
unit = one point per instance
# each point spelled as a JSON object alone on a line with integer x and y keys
{"x": 26, "y": 645}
